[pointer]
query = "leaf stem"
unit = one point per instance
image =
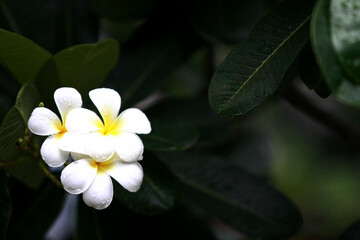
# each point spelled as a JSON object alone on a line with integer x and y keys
{"x": 49, "y": 174}
{"x": 299, "y": 100}
{"x": 9, "y": 17}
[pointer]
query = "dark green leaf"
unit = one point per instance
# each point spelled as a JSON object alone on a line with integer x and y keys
{"x": 253, "y": 71}
{"x": 22, "y": 57}
{"x": 5, "y": 205}
{"x": 237, "y": 198}
{"x": 326, "y": 57}
{"x": 170, "y": 135}
{"x": 344, "y": 30}
{"x": 123, "y": 9}
{"x": 225, "y": 21}
{"x": 352, "y": 233}
{"x": 40, "y": 214}
{"x": 20, "y": 165}
{"x": 322, "y": 46}
{"x": 158, "y": 192}
{"x": 86, "y": 66}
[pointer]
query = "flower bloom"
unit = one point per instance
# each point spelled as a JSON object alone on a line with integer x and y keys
{"x": 44, "y": 122}
{"x": 113, "y": 134}
{"x": 91, "y": 178}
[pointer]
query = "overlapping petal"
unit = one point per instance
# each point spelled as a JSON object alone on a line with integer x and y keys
{"x": 67, "y": 98}
{"x": 108, "y": 102}
{"x": 79, "y": 175}
{"x": 98, "y": 146}
{"x": 44, "y": 122}
{"x": 129, "y": 147}
{"x": 50, "y": 152}
{"x": 100, "y": 193}
{"x": 81, "y": 120}
{"x": 129, "y": 175}
{"x": 134, "y": 120}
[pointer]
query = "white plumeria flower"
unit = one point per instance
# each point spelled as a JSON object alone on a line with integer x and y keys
{"x": 100, "y": 139}
{"x": 91, "y": 178}
{"x": 44, "y": 122}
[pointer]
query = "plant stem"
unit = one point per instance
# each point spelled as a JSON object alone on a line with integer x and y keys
{"x": 298, "y": 99}
{"x": 49, "y": 174}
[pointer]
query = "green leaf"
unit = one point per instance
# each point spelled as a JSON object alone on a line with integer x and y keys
{"x": 170, "y": 135}
{"x": 344, "y": 29}
{"x": 353, "y": 232}
{"x": 237, "y": 198}
{"x": 86, "y": 66}
{"x": 5, "y": 206}
{"x": 322, "y": 46}
{"x": 158, "y": 192}
{"x": 117, "y": 10}
{"x": 253, "y": 71}
{"x": 331, "y": 69}
{"x": 21, "y": 56}
{"x": 39, "y": 216}
{"x": 20, "y": 165}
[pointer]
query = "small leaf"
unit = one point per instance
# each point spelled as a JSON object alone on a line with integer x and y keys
{"x": 117, "y": 10}
{"x": 21, "y": 166}
{"x": 344, "y": 30}
{"x": 40, "y": 214}
{"x": 21, "y": 56}
{"x": 352, "y": 233}
{"x": 254, "y": 70}
{"x": 86, "y": 66}
{"x": 170, "y": 135}
{"x": 158, "y": 192}
{"x": 234, "y": 196}
{"x": 5, "y": 206}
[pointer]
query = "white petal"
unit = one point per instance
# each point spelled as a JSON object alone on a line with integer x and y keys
{"x": 129, "y": 175}
{"x": 67, "y": 98}
{"x": 50, "y": 152}
{"x": 73, "y": 142}
{"x": 81, "y": 120}
{"x": 78, "y": 175}
{"x": 129, "y": 147}
{"x": 100, "y": 147}
{"x": 107, "y": 101}
{"x": 100, "y": 193}
{"x": 44, "y": 122}
{"x": 135, "y": 121}
{"x": 77, "y": 156}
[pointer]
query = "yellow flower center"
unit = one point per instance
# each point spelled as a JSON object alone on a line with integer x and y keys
{"x": 63, "y": 130}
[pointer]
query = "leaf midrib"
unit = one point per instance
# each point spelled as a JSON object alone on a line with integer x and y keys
{"x": 265, "y": 61}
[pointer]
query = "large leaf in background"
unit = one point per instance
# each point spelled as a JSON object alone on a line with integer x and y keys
{"x": 154, "y": 51}
{"x": 21, "y": 56}
{"x": 253, "y": 71}
{"x": 326, "y": 58}
{"x": 234, "y": 196}
{"x": 5, "y": 205}
{"x": 224, "y": 21}
{"x": 345, "y": 31}
{"x": 86, "y": 66}
{"x": 21, "y": 166}
{"x": 158, "y": 192}
{"x": 170, "y": 135}
{"x": 352, "y": 233}
{"x": 118, "y": 10}
{"x": 41, "y": 213}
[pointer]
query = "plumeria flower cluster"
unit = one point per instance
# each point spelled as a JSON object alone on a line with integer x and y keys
{"x": 101, "y": 148}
